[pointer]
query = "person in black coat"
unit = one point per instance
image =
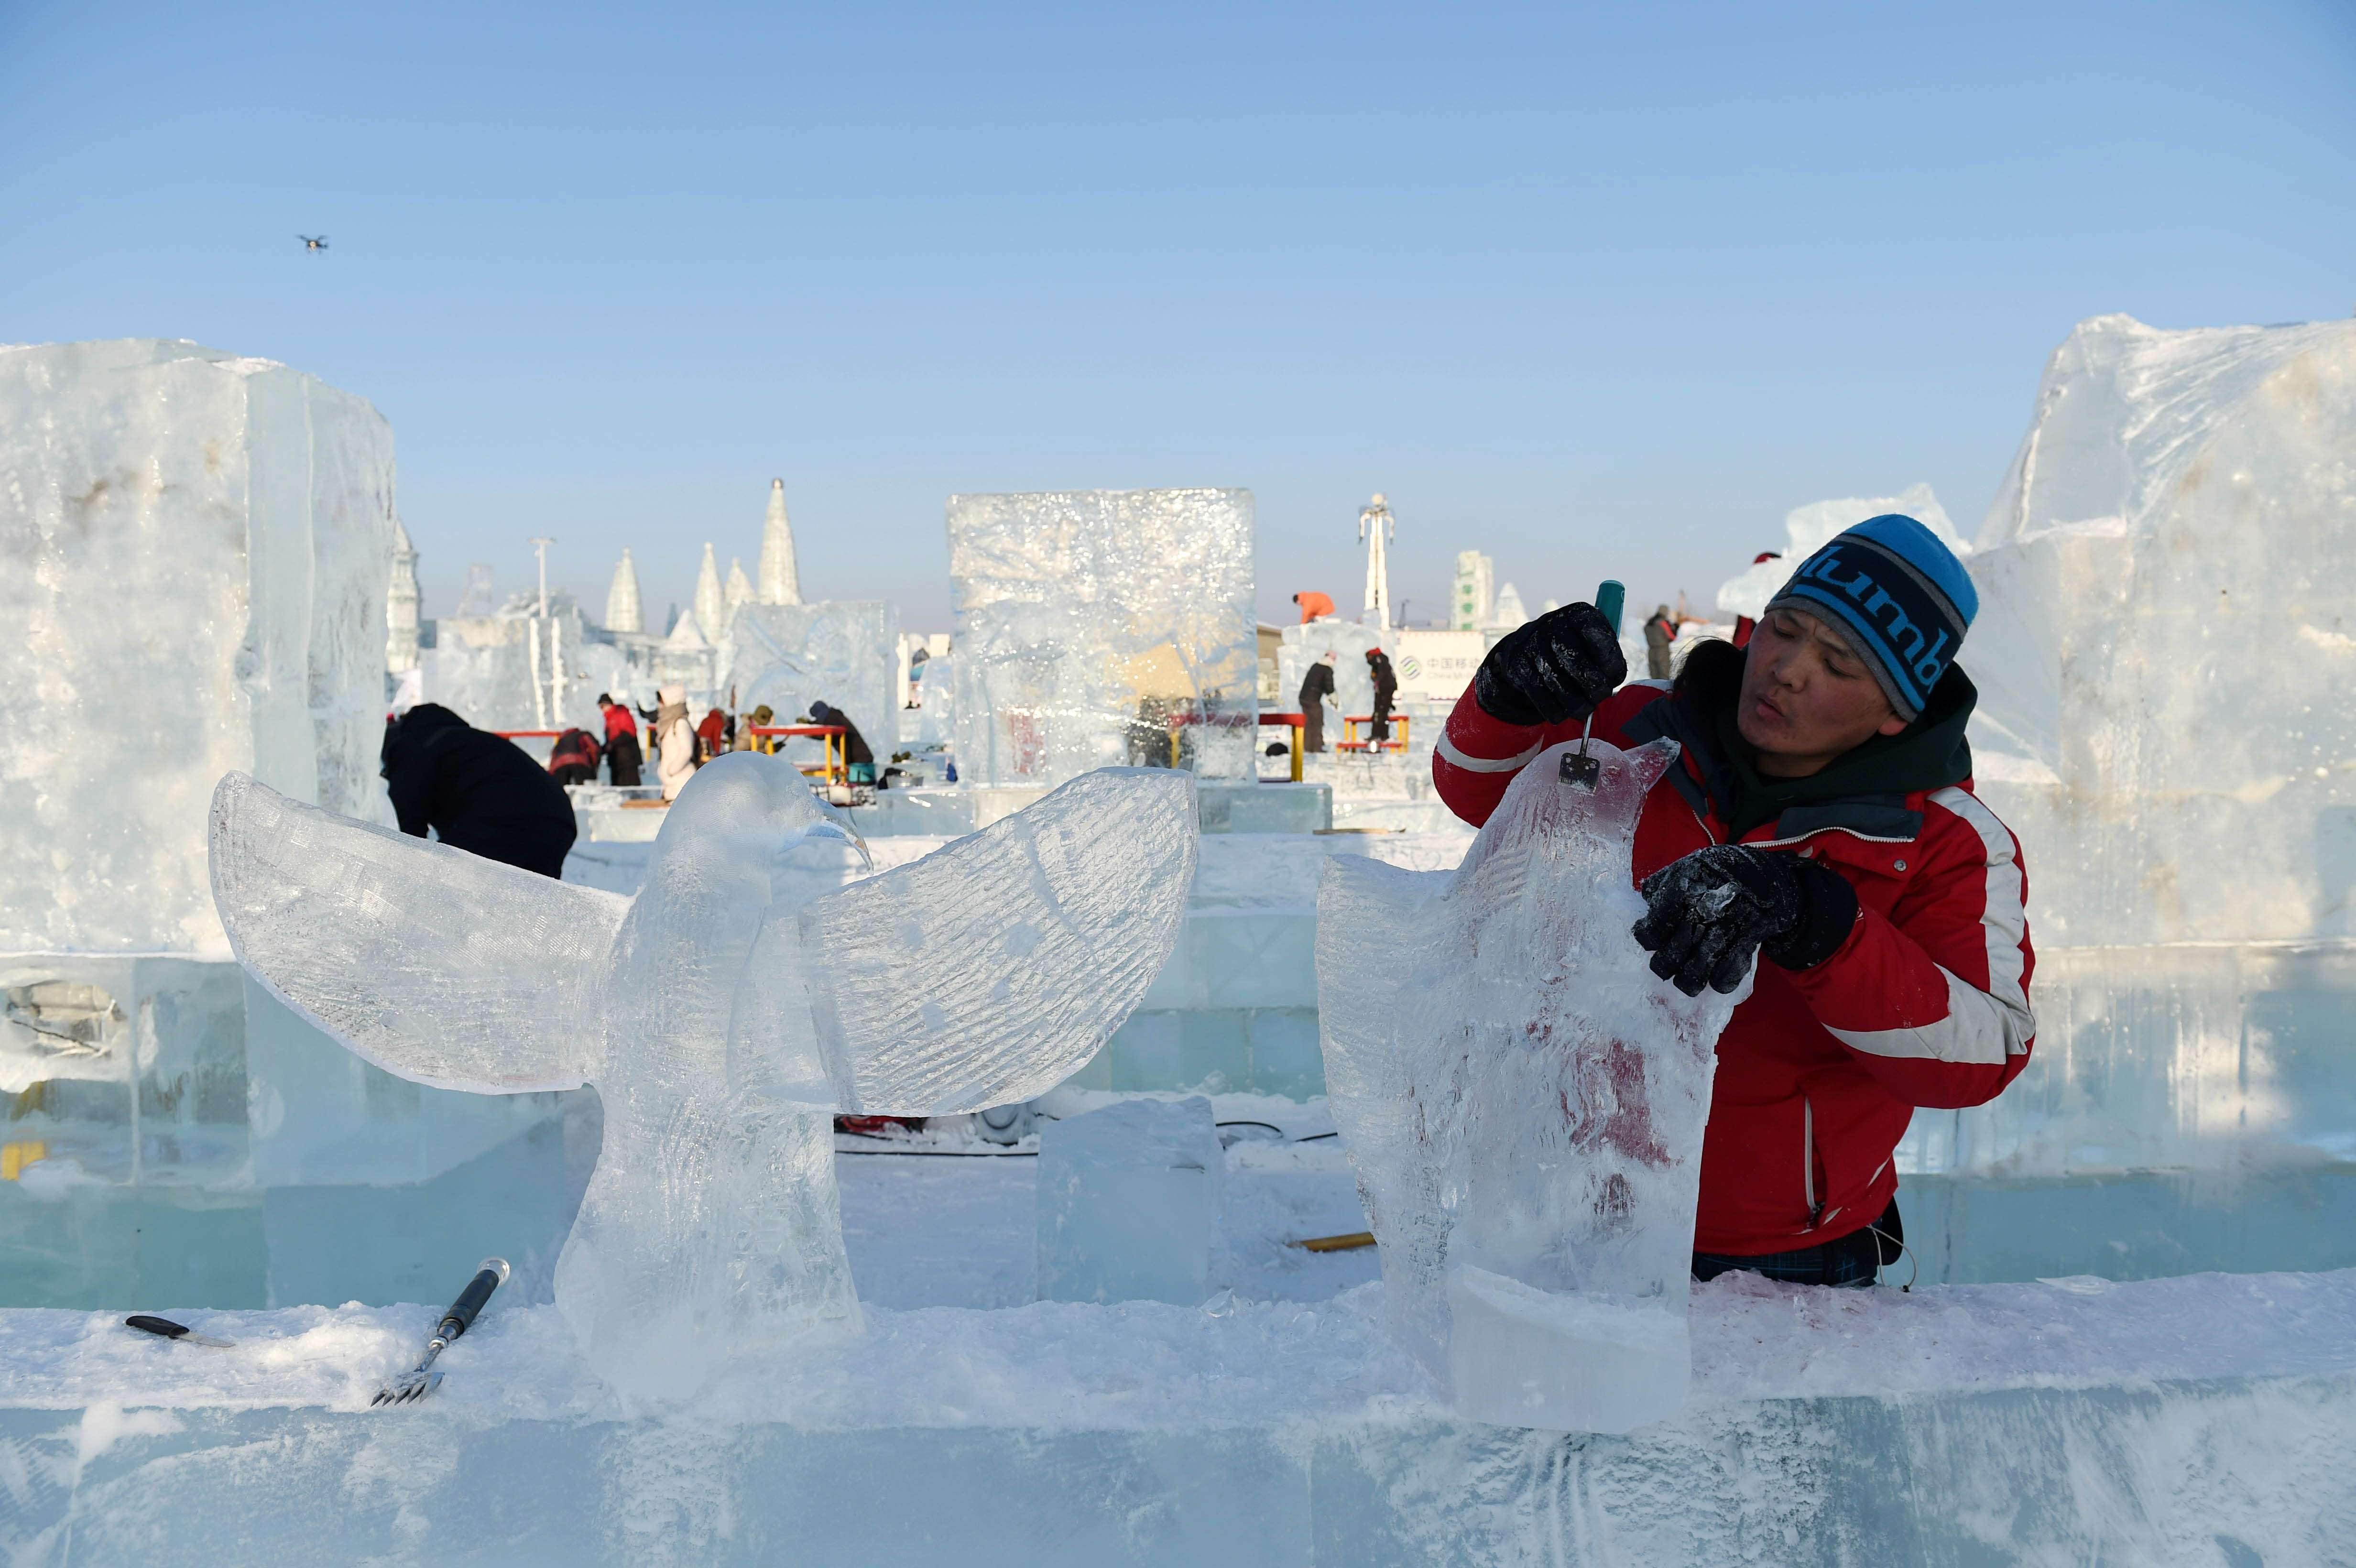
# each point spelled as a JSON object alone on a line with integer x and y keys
{"x": 857, "y": 755}
{"x": 1316, "y": 687}
{"x": 1379, "y": 664}
{"x": 479, "y": 791}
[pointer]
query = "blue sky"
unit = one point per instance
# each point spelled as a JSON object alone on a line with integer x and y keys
{"x": 1601, "y": 292}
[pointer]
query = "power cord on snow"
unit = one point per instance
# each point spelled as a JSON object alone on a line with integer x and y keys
{"x": 1913, "y": 1263}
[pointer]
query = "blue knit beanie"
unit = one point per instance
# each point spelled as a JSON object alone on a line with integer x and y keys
{"x": 1897, "y": 595}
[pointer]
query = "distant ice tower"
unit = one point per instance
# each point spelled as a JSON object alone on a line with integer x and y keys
{"x": 1476, "y": 576}
{"x": 1376, "y": 528}
{"x": 711, "y": 604}
{"x": 400, "y": 605}
{"x": 740, "y": 587}
{"x": 781, "y": 579}
{"x": 625, "y": 612}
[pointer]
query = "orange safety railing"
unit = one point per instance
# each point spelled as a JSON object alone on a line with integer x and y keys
{"x": 1350, "y": 741}
{"x": 838, "y": 749}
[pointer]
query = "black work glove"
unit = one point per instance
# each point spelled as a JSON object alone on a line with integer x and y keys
{"x": 1705, "y": 914}
{"x": 1555, "y": 668}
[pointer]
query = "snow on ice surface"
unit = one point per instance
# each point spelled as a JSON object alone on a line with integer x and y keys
{"x": 1523, "y": 1100}
{"x": 1086, "y": 619}
{"x": 712, "y": 1221}
{"x": 1061, "y": 1365}
{"x": 200, "y": 547}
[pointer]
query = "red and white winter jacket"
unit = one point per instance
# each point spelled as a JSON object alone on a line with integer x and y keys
{"x": 1820, "y": 1070}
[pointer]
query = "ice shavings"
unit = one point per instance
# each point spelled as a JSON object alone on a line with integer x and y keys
{"x": 1523, "y": 1099}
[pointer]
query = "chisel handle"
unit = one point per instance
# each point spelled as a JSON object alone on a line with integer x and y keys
{"x": 1610, "y": 597}
{"x": 461, "y": 1316}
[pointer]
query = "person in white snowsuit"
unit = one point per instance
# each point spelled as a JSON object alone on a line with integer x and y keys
{"x": 674, "y": 741}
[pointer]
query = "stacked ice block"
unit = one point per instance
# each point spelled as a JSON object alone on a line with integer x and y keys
{"x": 1129, "y": 1202}
{"x": 204, "y": 545}
{"x": 1103, "y": 627}
{"x": 845, "y": 652}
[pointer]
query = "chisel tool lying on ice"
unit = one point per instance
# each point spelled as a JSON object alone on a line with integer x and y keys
{"x": 423, "y": 1380}
{"x": 164, "y": 1329}
{"x": 1578, "y": 767}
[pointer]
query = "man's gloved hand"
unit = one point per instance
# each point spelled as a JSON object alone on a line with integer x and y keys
{"x": 1706, "y": 913}
{"x": 1555, "y": 668}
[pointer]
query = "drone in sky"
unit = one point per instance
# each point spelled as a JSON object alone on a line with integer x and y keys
{"x": 313, "y": 242}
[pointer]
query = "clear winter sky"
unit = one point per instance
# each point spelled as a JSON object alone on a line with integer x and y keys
{"x": 1601, "y": 292}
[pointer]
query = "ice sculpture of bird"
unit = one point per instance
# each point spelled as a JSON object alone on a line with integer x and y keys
{"x": 723, "y": 1023}
{"x": 313, "y": 242}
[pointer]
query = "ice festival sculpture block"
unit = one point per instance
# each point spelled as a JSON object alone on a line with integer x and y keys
{"x": 723, "y": 1025}
{"x": 844, "y": 652}
{"x": 2168, "y": 636}
{"x": 199, "y": 545}
{"x": 1524, "y": 1104}
{"x": 1092, "y": 625}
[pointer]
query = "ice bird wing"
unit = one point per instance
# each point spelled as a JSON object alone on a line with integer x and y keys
{"x": 991, "y": 969}
{"x": 437, "y": 965}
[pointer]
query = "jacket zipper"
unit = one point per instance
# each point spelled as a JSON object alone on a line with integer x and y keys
{"x": 1808, "y": 1161}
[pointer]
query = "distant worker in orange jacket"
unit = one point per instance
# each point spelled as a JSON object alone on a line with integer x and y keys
{"x": 1312, "y": 606}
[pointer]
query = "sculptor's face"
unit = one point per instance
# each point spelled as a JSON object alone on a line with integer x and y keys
{"x": 1807, "y": 697}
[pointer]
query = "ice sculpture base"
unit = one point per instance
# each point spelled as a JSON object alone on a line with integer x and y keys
{"x": 1524, "y": 1357}
{"x": 2200, "y": 1420}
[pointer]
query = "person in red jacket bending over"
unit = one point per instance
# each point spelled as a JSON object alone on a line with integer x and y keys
{"x": 1820, "y": 815}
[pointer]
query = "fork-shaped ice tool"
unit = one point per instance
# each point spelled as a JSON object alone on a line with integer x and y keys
{"x": 423, "y": 1380}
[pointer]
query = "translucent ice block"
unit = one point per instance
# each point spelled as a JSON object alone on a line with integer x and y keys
{"x": 845, "y": 652}
{"x": 1523, "y": 1103}
{"x": 1094, "y": 625}
{"x": 200, "y": 547}
{"x": 2168, "y": 634}
{"x": 1129, "y": 1202}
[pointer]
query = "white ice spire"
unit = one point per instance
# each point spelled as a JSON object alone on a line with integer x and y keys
{"x": 400, "y": 605}
{"x": 1375, "y": 530}
{"x": 740, "y": 587}
{"x": 711, "y": 604}
{"x": 781, "y": 579}
{"x": 624, "y": 611}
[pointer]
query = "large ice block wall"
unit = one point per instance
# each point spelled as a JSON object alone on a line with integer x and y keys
{"x": 2166, "y": 641}
{"x": 2168, "y": 635}
{"x": 1087, "y": 619}
{"x": 844, "y": 652}
{"x": 198, "y": 549}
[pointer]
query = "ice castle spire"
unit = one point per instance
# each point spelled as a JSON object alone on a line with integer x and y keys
{"x": 711, "y": 604}
{"x": 624, "y": 611}
{"x": 400, "y": 605}
{"x": 781, "y": 579}
{"x": 740, "y": 587}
